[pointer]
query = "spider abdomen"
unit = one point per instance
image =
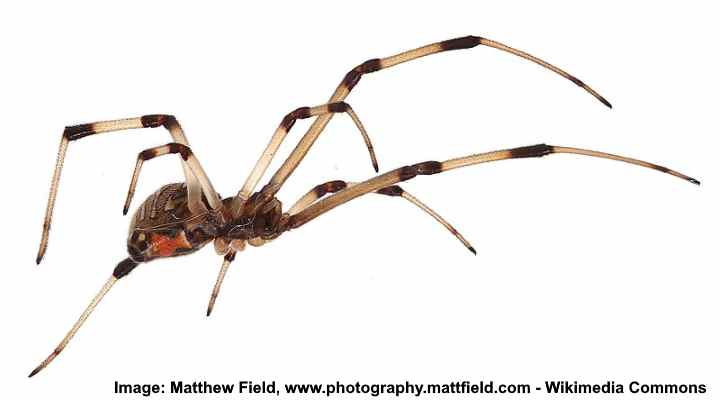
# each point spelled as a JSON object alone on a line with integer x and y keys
{"x": 166, "y": 206}
{"x": 163, "y": 226}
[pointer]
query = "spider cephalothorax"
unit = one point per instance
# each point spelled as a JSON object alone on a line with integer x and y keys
{"x": 181, "y": 218}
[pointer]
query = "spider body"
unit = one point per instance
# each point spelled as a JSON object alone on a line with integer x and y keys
{"x": 181, "y": 218}
{"x": 257, "y": 221}
{"x": 164, "y": 226}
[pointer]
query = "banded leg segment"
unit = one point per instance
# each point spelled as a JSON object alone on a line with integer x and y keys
{"x": 434, "y": 167}
{"x": 76, "y": 132}
{"x": 229, "y": 258}
{"x": 353, "y": 77}
{"x": 122, "y": 269}
{"x": 195, "y": 168}
{"x": 282, "y": 130}
{"x": 335, "y": 186}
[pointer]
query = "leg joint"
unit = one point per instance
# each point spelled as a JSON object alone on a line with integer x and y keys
{"x": 78, "y": 131}
{"x": 157, "y": 120}
{"x": 289, "y": 120}
{"x": 147, "y": 154}
{"x": 338, "y": 107}
{"x": 368, "y": 66}
{"x": 353, "y": 77}
{"x": 465, "y": 42}
{"x": 183, "y": 150}
{"x": 172, "y": 148}
{"x": 428, "y": 167}
{"x": 423, "y": 168}
{"x": 124, "y": 268}
{"x": 329, "y": 187}
{"x": 537, "y": 150}
{"x": 394, "y": 190}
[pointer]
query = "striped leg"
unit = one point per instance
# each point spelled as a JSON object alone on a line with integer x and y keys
{"x": 122, "y": 269}
{"x": 353, "y": 77}
{"x": 434, "y": 167}
{"x": 335, "y": 186}
{"x": 195, "y": 168}
{"x": 80, "y": 131}
{"x": 282, "y": 131}
{"x": 229, "y": 257}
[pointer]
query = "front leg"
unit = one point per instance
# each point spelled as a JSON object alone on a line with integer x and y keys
{"x": 195, "y": 205}
{"x": 76, "y": 132}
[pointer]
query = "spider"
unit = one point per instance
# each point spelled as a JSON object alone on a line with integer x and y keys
{"x": 180, "y": 218}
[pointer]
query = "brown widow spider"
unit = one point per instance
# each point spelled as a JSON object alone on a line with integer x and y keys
{"x": 181, "y": 218}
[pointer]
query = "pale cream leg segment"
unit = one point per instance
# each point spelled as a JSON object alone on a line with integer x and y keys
{"x": 434, "y": 167}
{"x": 196, "y": 206}
{"x": 77, "y": 325}
{"x": 229, "y": 257}
{"x": 281, "y": 133}
{"x": 334, "y": 186}
{"x": 80, "y": 131}
{"x": 236, "y": 246}
{"x": 352, "y": 78}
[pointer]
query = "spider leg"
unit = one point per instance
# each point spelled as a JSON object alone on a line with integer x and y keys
{"x": 335, "y": 186}
{"x": 282, "y": 130}
{"x": 193, "y": 164}
{"x": 376, "y": 64}
{"x": 80, "y": 131}
{"x": 229, "y": 257}
{"x": 122, "y": 269}
{"x": 434, "y": 167}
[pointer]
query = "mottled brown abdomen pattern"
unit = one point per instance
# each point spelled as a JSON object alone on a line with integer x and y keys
{"x": 168, "y": 205}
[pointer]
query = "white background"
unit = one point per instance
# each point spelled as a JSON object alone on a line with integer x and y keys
{"x": 587, "y": 269}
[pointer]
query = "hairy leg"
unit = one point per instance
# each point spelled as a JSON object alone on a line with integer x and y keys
{"x": 72, "y": 133}
{"x": 353, "y": 77}
{"x": 435, "y": 167}
{"x": 321, "y": 190}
